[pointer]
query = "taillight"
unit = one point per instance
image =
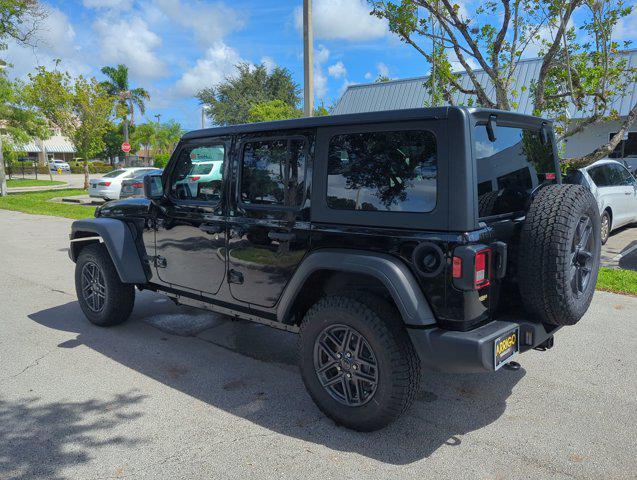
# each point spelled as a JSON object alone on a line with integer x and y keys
{"x": 137, "y": 185}
{"x": 457, "y": 267}
{"x": 471, "y": 267}
{"x": 195, "y": 179}
{"x": 481, "y": 270}
{"x": 104, "y": 184}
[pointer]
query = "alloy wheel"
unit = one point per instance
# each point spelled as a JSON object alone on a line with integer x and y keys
{"x": 93, "y": 286}
{"x": 581, "y": 256}
{"x": 346, "y": 365}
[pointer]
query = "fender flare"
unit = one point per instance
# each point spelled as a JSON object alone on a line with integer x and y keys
{"x": 119, "y": 241}
{"x": 390, "y": 271}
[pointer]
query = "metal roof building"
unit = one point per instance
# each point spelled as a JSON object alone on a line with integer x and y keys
{"x": 411, "y": 92}
{"x": 54, "y": 144}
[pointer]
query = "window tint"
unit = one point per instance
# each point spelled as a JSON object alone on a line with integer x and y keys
{"x": 619, "y": 176}
{"x": 510, "y": 167}
{"x": 575, "y": 177}
{"x": 383, "y": 171}
{"x": 187, "y": 180}
{"x": 273, "y": 172}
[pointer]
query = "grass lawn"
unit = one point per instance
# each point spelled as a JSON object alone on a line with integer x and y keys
{"x": 617, "y": 281}
{"x": 28, "y": 182}
{"x": 37, "y": 202}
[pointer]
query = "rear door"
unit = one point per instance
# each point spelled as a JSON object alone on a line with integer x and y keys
{"x": 268, "y": 225}
{"x": 613, "y": 191}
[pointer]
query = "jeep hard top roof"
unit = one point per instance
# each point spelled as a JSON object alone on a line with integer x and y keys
{"x": 367, "y": 117}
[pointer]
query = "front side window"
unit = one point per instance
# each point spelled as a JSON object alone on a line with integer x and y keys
{"x": 383, "y": 171}
{"x": 273, "y": 172}
{"x": 198, "y": 174}
{"x": 510, "y": 167}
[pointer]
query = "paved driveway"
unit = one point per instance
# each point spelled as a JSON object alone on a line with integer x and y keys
{"x": 620, "y": 250}
{"x": 176, "y": 393}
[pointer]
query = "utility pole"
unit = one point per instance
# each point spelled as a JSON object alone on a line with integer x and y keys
{"x": 158, "y": 117}
{"x": 308, "y": 60}
{"x": 203, "y": 116}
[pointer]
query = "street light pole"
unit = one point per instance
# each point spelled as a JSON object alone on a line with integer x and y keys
{"x": 158, "y": 117}
{"x": 308, "y": 60}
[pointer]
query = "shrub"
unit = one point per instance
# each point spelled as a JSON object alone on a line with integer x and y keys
{"x": 161, "y": 160}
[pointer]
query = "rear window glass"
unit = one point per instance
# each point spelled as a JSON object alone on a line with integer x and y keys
{"x": 114, "y": 173}
{"x": 510, "y": 167}
{"x": 383, "y": 171}
{"x": 201, "y": 168}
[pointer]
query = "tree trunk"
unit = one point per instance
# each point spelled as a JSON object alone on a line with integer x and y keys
{"x": 86, "y": 174}
{"x": 606, "y": 149}
{"x": 3, "y": 178}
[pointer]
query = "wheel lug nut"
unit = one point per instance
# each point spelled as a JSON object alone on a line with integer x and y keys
{"x": 355, "y": 367}
{"x": 338, "y": 355}
{"x": 348, "y": 355}
{"x": 349, "y": 375}
{"x": 338, "y": 368}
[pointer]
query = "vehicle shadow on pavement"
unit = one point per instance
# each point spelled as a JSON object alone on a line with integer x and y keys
{"x": 38, "y": 440}
{"x": 254, "y": 376}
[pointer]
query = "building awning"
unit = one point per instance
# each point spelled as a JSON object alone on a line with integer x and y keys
{"x": 55, "y": 144}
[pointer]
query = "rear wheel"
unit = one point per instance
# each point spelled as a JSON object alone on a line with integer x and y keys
{"x": 104, "y": 299}
{"x": 357, "y": 361}
{"x": 559, "y": 254}
{"x": 605, "y": 228}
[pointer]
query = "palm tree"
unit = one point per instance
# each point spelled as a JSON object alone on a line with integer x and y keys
{"x": 127, "y": 98}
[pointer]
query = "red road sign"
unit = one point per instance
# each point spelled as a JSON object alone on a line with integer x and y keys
{"x": 126, "y": 147}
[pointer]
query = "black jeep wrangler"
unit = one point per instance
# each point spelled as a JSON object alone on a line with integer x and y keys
{"x": 390, "y": 240}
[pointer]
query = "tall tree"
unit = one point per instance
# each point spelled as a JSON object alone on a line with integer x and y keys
{"x": 127, "y": 98}
{"x": 19, "y": 21}
{"x": 229, "y": 103}
{"x": 81, "y": 108}
{"x": 18, "y": 122}
{"x": 581, "y": 67}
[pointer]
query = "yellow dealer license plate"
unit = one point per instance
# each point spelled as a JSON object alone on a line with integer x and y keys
{"x": 506, "y": 347}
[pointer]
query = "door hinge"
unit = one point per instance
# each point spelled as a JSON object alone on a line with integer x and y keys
{"x": 160, "y": 262}
{"x": 235, "y": 277}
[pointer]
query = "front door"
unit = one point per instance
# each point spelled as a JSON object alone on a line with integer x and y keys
{"x": 190, "y": 227}
{"x": 268, "y": 225}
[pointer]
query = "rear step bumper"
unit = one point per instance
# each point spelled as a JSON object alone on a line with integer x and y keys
{"x": 474, "y": 351}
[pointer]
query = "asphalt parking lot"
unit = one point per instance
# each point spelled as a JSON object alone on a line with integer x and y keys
{"x": 620, "y": 250}
{"x": 177, "y": 393}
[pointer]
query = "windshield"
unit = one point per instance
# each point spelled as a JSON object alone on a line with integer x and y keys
{"x": 114, "y": 173}
{"x": 511, "y": 167}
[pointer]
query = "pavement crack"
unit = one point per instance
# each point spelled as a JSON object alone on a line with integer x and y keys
{"x": 35, "y": 363}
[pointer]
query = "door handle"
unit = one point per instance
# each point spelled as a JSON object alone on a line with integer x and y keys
{"x": 281, "y": 236}
{"x": 212, "y": 229}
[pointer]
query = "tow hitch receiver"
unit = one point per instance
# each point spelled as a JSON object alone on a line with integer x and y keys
{"x": 546, "y": 345}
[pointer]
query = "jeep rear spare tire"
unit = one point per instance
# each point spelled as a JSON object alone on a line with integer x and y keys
{"x": 559, "y": 254}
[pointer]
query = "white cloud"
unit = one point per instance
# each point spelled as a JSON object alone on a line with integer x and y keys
{"x": 130, "y": 41}
{"x": 368, "y": 76}
{"x": 337, "y": 70}
{"x": 218, "y": 63}
{"x": 383, "y": 70}
{"x": 343, "y": 20}
{"x": 109, "y": 4}
{"x": 209, "y": 22}
{"x": 269, "y": 63}
{"x": 321, "y": 56}
{"x": 626, "y": 27}
{"x": 56, "y": 40}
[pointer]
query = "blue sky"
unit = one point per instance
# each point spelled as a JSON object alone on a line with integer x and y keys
{"x": 175, "y": 47}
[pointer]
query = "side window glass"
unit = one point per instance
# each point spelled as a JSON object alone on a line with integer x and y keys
{"x": 198, "y": 174}
{"x": 600, "y": 176}
{"x": 383, "y": 171}
{"x": 273, "y": 172}
{"x": 616, "y": 176}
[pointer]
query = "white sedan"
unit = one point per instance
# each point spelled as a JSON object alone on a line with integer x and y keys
{"x": 615, "y": 190}
{"x": 110, "y": 185}
{"x": 55, "y": 165}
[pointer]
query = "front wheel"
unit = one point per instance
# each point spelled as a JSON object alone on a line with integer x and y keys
{"x": 605, "y": 229}
{"x": 357, "y": 361}
{"x": 104, "y": 299}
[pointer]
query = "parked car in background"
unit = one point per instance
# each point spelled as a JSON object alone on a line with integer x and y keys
{"x": 109, "y": 186}
{"x": 614, "y": 188}
{"x": 134, "y": 187}
{"x": 55, "y": 165}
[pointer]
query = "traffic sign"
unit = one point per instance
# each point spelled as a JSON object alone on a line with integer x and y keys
{"x": 126, "y": 147}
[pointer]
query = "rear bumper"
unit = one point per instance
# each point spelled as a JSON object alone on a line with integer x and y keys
{"x": 473, "y": 351}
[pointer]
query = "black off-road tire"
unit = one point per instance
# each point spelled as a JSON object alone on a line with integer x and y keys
{"x": 549, "y": 238}
{"x": 605, "y": 226}
{"x": 398, "y": 363}
{"x": 486, "y": 204}
{"x": 118, "y": 297}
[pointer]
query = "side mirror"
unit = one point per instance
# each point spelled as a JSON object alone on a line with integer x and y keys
{"x": 153, "y": 188}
